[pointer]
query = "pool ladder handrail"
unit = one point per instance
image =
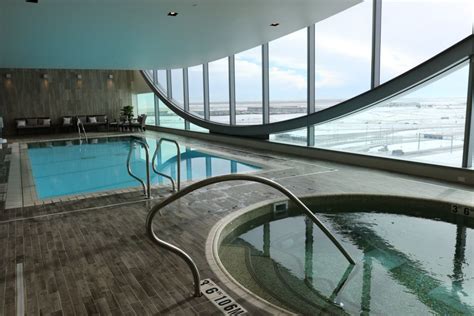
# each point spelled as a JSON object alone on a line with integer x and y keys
{"x": 178, "y": 161}
{"x": 147, "y": 186}
{"x": 79, "y": 125}
{"x": 229, "y": 177}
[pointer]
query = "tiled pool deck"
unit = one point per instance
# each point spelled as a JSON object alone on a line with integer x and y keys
{"x": 90, "y": 254}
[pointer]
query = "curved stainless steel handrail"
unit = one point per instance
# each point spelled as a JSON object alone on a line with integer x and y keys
{"x": 224, "y": 178}
{"x": 160, "y": 173}
{"x": 79, "y": 125}
{"x": 147, "y": 186}
{"x": 178, "y": 162}
{"x": 417, "y": 76}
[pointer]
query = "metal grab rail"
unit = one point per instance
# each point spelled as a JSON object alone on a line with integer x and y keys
{"x": 224, "y": 178}
{"x": 147, "y": 186}
{"x": 158, "y": 145}
{"x": 79, "y": 125}
{"x": 159, "y": 173}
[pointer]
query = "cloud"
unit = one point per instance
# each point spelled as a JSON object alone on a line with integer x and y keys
{"x": 247, "y": 70}
{"x": 395, "y": 61}
{"x": 286, "y": 79}
{"x": 343, "y": 46}
{"x": 289, "y": 51}
{"x": 327, "y": 78}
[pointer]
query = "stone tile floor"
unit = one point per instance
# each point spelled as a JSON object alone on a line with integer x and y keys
{"x": 92, "y": 256}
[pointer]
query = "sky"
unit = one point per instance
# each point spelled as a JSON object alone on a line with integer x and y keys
{"x": 412, "y": 32}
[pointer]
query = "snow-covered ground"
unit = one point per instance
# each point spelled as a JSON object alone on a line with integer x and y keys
{"x": 425, "y": 131}
{"x": 415, "y": 129}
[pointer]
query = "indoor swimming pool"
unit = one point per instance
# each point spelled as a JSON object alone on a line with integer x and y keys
{"x": 411, "y": 258}
{"x": 69, "y": 168}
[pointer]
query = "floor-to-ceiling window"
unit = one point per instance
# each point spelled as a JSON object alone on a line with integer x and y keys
{"x": 288, "y": 67}
{"x": 416, "y": 30}
{"x": 161, "y": 76}
{"x": 219, "y": 91}
{"x": 288, "y": 76}
{"x": 343, "y": 52}
{"x": 426, "y": 124}
{"x": 343, "y": 55}
{"x": 177, "y": 86}
{"x": 196, "y": 95}
{"x": 146, "y": 105}
{"x": 196, "y": 90}
{"x": 168, "y": 118}
{"x": 248, "y": 86}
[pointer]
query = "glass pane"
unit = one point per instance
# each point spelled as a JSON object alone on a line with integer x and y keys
{"x": 426, "y": 124}
{"x": 248, "y": 86}
{"x": 146, "y": 105}
{"x": 195, "y": 128}
{"x": 288, "y": 71}
{"x": 162, "y": 80}
{"x": 415, "y": 30}
{"x": 196, "y": 91}
{"x": 168, "y": 118}
{"x": 149, "y": 72}
{"x": 177, "y": 86}
{"x": 296, "y": 137}
{"x": 343, "y": 55}
{"x": 219, "y": 91}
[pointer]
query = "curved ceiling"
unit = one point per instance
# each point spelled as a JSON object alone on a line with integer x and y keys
{"x": 139, "y": 34}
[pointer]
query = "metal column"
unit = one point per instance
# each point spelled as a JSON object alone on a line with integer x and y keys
{"x": 169, "y": 86}
{"x": 156, "y": 100}
{"x": 232, "y": 110}
{"x": 205, "y": 81}
{"x": 311, "y": 81}
{"x": 468, "y": 151}
{"x": 265, "y": 85}
{"x": 186, "y": 96}
{"x": 376, "y": 39}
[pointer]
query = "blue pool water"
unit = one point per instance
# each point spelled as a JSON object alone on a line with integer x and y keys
{"x": 66, "y": 167}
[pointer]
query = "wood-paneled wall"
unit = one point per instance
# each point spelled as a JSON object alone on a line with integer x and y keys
{"x": 27, "y": 94}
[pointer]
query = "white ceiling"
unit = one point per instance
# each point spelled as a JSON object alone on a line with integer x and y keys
{"x": 138, "y": 34}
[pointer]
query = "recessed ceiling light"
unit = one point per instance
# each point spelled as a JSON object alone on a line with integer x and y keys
{"x": 172, "y": 13}
{"x": 275, "y": 24}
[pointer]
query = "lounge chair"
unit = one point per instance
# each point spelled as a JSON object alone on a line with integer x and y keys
{"x": 140, "y": 124}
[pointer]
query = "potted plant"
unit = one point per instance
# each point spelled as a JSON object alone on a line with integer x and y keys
{"x": 127, "y": 111}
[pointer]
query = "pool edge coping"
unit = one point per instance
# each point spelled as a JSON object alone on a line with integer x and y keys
{"x": 217, "y": 267}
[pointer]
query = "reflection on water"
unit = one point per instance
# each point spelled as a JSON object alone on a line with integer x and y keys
{"x": 72, "y": 167}
{"x": 406, "y": 265}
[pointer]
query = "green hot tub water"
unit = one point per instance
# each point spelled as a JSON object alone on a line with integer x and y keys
{"x": 406, "y": 265}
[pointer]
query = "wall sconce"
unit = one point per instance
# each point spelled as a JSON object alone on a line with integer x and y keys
{"x": 111, "y": 76}
{"x": 8, "y": 76}
{"x": 79, "y": 77}
{"x": 45, "y": 76}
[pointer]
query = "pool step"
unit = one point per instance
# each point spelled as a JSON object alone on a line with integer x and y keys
{"x": 234, "y": 259}
{"x": 291, "y": 290}
{"x": 275, "y": 283}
